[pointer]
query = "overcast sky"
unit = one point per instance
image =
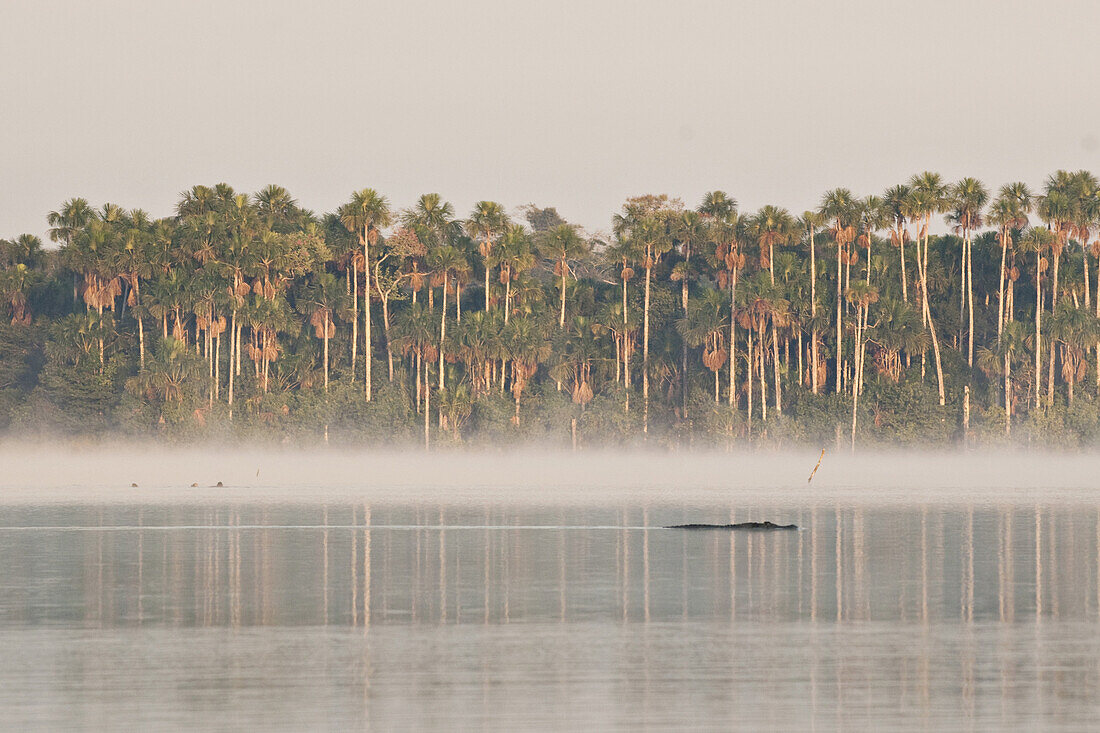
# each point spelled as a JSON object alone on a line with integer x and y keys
{"x": 561, "y": 103}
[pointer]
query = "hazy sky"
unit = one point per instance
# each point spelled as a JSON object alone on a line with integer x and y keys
{"x": 562, "y": 103}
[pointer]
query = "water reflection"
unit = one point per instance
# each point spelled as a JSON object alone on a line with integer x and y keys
{"x": 983, "y": 614}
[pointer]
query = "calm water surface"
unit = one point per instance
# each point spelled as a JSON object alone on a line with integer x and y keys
{"x": 441, "y": 616}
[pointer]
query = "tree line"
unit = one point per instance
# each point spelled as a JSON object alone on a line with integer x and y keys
{"x": 851, "y": 322}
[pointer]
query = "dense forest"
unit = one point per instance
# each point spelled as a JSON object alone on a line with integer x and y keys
{"x": 247, "y": 317}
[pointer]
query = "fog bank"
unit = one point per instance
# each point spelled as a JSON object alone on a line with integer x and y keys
{"x": 65, "y": 473}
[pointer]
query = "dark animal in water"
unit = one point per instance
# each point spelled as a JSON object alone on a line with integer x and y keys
{"x": 741, "y": 525}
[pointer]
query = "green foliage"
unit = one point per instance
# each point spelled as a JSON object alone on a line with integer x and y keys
{"x": 133, "y": 324}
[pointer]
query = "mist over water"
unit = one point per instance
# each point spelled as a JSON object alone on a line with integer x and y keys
{"x": 104, "y": 473}
{"x": 508, "y": 591}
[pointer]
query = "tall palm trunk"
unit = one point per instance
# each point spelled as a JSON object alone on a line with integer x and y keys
{"x": 1008, "y": 394}
{"x": 855, "y": 380}
{"x": 1098, "y": 316}
{"x": 507, "y": 294}
{"x": 1001, "y": 285}
{"x": 487, "y": 268}
{"x": 962, "y": 290}
{"x": 366, "y": 311}
{"x": 928, "y": 318}
{"x": 354, "y": 318}
{"x": 417, "y": 380}
{"x": 1038, "y": 325}
{"x": 733, "y": 338}
{"x": 775, "y": 364}
{"x": 427, "y": 407}
{"x": 813, "y": 314}
{"x": 748, "y": 376}
{"x": 442, "y": 329}
{"x": 970, "y": 295}
{"x": 217, "y": 367}
{"x": 904, "y": 281}
{"x": 839, "y": 305}
{"x": 233, "y": 345}
{"x": 386, "y": 328}
{"x": 326, "y": 354}
{"x": 763, "y": 380}
{"x": 561, "y": 318}
{"x": 626, "y": 349}
{"x": 645, "y": 350}
{"x": 684, "y": 352}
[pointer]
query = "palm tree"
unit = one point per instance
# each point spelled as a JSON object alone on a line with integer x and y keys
{"x": 968, "y": 198}
{"x": 1076, "y": 330}
{"x": 321, "y": 301}
{"x": 861, "y": 295}
{"x": 26, "y": 249}
{"x": 514, "y": 257}
{"x": 1086, "y": 215}
{"x": 690, "y": 231}
{"x": 432, "y": 219}
{"x": 563, "y": 246}
{"x": 624, "y": 253}
{"x": 1056, "y": 209}
{"x": 898, "y": 202}
{"x": 772, "y": 225}
{"x": 1012, "y": 343}
{"x": 486, "y": 221}
{"x": 527, "y": 346}
{"x": 1009, "y": 214}
{"x": 364, "y": 215}
{"x": 704, "y": 325}
{"x": 929, "y": 195}
{"x": 839, "y": 207}
{"x": 645, "y": 220}
{"x": 277, "y": 208}
{"x": 872, "y": 216}
{"x": 415, "y": 333}
{"x": 812, "y": 221}
{"x": 446, "y": 262}
{"x": 67, "y": 223}
{"x": 1039, "y": 241}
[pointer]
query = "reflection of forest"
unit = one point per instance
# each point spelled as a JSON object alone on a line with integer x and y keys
{"x": 362, "y": 565}
{"x": 921, "y": 605}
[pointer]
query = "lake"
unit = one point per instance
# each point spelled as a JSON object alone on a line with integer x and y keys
{"x": 276, "y": 605}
